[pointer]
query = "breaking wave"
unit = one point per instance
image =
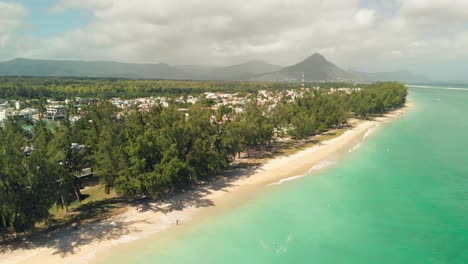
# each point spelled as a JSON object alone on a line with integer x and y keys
{"x": 369, "y": 132}
{"x": 322, "y": 165}
{"x": 287, "y": 179}
{"x": 358, "y": 145}
{"x": 439, "y": 88}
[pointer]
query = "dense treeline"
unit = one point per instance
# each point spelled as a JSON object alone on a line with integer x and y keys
{"x": 31, "y": 184}
{"x": 61, "y": 88}
{"x": 159, "y": 151}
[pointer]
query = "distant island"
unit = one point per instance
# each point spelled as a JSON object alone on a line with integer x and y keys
{"x": 315, "y": 68}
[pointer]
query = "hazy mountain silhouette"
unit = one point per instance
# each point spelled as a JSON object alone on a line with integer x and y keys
{"x": 315, "y": 68}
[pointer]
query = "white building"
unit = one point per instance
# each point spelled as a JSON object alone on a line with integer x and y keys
{"x": 5, "y": 113}
{"x": 54, "y": 112}
{"x": 209, "y": 95}
{"x": 28, "y": 113}
{"x": 18, "y": 105}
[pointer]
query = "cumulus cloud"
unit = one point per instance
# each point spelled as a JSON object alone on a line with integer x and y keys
{"x": 365, "y": 17}
{"x": 433, "y": 12}
{"x": 214, "y": 32}
{"x": 279, "y": 31}
{"x": 11, "y": 20}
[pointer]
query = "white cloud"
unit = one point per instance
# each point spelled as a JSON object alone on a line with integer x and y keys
{"x": 11, "y": 20}
{"x": 365, "y": 17}
{"x": 223, "y": 32}
{"x": 196, "y": 31}
{"x": 430, "y": 12}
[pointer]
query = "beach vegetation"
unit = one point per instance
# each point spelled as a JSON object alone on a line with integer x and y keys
{"x": 160, "y": 151}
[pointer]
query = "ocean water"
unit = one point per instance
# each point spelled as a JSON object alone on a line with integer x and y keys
{"x": 401, "y": 196}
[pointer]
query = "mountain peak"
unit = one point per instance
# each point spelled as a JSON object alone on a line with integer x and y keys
{"x": 316, "y": 57}
{"x": 314, "y": 68}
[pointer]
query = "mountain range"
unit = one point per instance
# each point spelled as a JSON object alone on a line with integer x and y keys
{"x": 315, "y": 68}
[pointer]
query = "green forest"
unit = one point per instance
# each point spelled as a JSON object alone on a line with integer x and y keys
{"x": 157, "y": 152}
{"x": 61, "y": 88}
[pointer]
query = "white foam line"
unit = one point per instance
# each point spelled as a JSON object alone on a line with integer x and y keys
{"x": 321, "y": 165}
{"x": 368, "y": 132}
{"x": 458, "y": 89}
{"x": 438, "y": 88}
{"x": 358, "y": 145}
{"x": 317, "y": 167}
{"x": 287, "y": 179}
{"x": 421, "y": 86}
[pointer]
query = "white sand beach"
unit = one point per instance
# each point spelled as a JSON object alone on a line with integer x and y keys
{"x": 82, "y": 244}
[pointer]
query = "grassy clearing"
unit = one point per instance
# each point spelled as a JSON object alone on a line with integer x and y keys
{"x": 331, "y": 135}
{"x": 96, "y": 205}
{"x": 90, "y": 195}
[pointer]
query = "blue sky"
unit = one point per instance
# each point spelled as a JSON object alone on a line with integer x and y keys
{"x": 389, "y": 6}
{"x": 427, "y": 37}
{"x": 42, "y": 23}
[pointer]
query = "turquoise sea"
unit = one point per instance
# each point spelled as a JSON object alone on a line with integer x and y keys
{"x": 401, "y": 197}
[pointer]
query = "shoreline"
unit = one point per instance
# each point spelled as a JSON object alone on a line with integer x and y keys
{"x": 88, "y": 243}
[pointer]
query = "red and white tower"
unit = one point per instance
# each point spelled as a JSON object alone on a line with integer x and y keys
{"x": 302, "y": 82}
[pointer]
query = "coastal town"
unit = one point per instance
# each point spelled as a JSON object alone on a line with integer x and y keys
{"x": 89, "y": 161}
{"x": 227, "y": 132}
{"x": 75, "y": 108}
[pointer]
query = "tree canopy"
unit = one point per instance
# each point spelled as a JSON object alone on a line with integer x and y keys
{"x": 159, "y": 151}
